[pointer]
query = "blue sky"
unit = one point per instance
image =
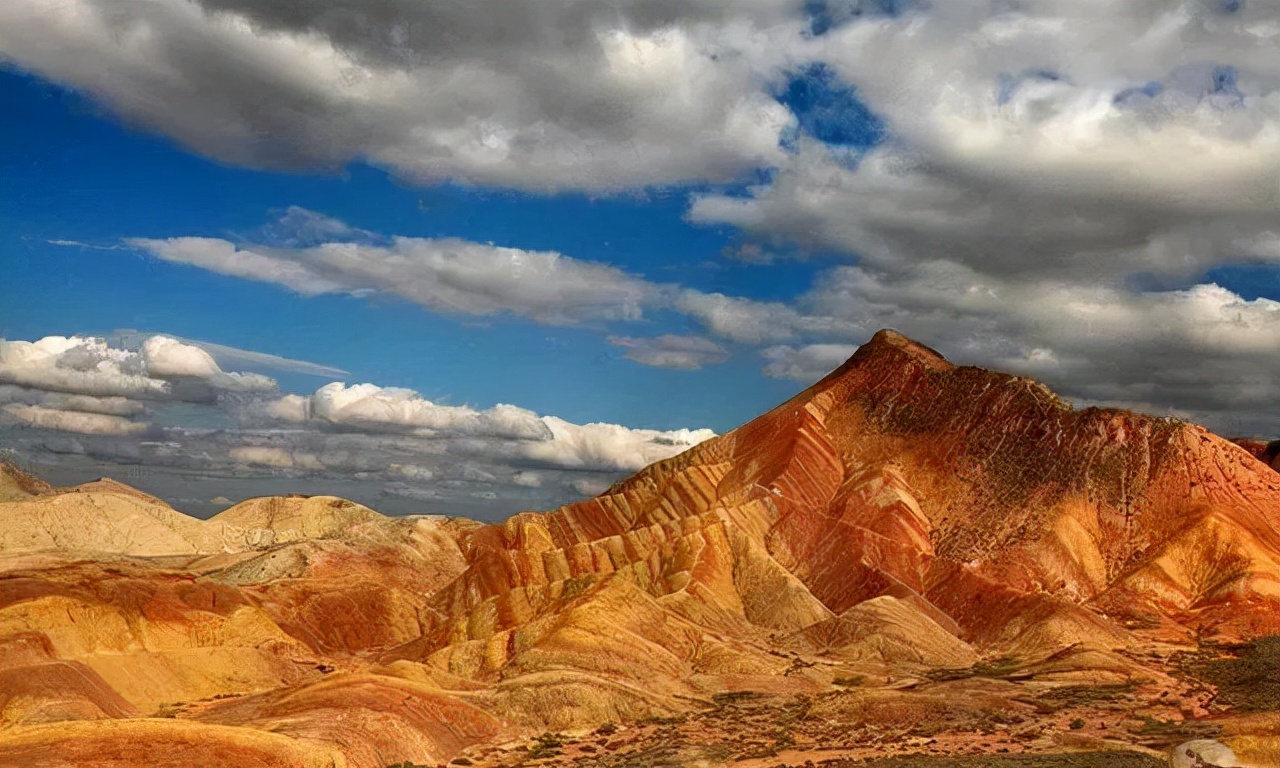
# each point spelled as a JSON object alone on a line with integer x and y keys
{"x": 71, "y": 173}
{"x": 660, "y": 220}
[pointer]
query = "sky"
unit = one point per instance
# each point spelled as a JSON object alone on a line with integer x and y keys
{"x": 475, "y": 257}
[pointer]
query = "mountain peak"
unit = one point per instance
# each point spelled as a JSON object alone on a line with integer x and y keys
{"x": 888, "y": 348}
{"x": 888, "y": 342}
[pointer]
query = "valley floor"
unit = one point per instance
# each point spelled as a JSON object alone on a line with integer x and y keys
{"x": 991, "y": 718}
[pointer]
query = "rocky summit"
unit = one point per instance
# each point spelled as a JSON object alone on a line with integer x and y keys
{"x": 909, "y": 563}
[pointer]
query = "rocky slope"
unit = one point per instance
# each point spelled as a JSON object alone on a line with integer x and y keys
{"x": 1266, "y": 452}
{"x": 905, "y": 523}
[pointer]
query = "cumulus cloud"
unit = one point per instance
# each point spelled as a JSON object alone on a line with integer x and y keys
{"x": 686, "y": 353}
{"x": 353, "y": 439}
{"x": 89, "y": 386}
{"x": 563, "y": 94}
{"x": 448, "y": 276}
{"x": 169, "y": 358}
{"x": 225, "y": 357}
{"x": 78, "y": 366}
{"x": 503, "y": 433}
{"x": 609, "y": 446}
{"x": 369, "y": 407}
{"x": 295, "y": 408}
{"x": 163, "y": 368}
{"x": 1155, "y": 107}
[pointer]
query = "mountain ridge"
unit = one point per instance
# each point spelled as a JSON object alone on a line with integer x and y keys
{"x": 902, "y": 519}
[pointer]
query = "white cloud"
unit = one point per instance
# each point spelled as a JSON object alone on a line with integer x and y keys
{"x": 78, "y": 366}
{"x": 551, "y": 95}
{"x": 296, "y": 408}
{"x": 91, "y": 366}
{"x": 75, "y": 421}
{"x": 757, "y": 322}
{"x": 90, "y": 386}
{"x": 370, "y": 407}
{"x": 1169, "y": 107}
{"x": 225, "y": 356}
{"x": 1058, "y": 179}
{"x": 807, "y": 363}
{"x": 361, "y": 437}
{"x": 738, "y": 319}
{"x": 684, "y": 353}
{"x": 609, "y": 446}
{"x": 228, "y": 357}
{"x": 412, "y": 472}
{"x": 88, "y": 246}
{"x": 111, "y": 406}
{"x": 226, "y": 258}
{"x": 169, "y": 358}
{"x": 504, "y": 433}
{"x": 254, "y": 455}
{"x": 456, "y": 277}
{"x": 447, "y": 276}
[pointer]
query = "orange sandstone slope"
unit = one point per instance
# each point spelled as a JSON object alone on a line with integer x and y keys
{"x": 1266, "y": 452}
{"x": 974, "y": 510}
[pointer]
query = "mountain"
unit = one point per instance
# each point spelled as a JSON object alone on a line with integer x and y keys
{"x": 906, "y": 545}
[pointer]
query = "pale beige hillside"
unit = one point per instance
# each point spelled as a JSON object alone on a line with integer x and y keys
{"x": 108, "y": 517}
{"x": 17, "y": 485}
{"x": 278, "y": 519}
{"x": 102, "y": 521}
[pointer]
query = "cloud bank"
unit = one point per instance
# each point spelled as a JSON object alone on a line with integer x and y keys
{"x": 169, "y": 407}
{"x": 563, "y": 94}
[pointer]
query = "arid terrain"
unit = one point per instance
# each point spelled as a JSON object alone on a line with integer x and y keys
{"x": 909, "y": 564}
